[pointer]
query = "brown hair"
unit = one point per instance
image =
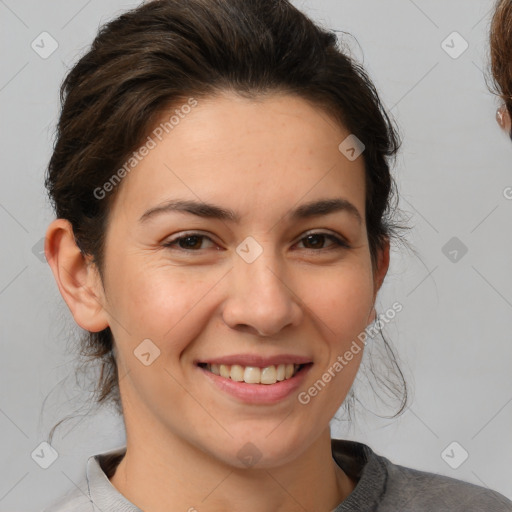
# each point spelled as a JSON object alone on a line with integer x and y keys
{"x": 501, "y": 51}
{"x": 165, "y": 51}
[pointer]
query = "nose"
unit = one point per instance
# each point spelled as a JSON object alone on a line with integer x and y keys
{"x": 261, "y": 297}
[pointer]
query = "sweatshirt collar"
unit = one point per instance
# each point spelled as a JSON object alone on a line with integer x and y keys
{"x": 356, "y": 459}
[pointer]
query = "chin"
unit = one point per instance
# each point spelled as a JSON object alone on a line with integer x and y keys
{"x": 263, "y": 451}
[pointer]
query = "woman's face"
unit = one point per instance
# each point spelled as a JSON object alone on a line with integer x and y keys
{"x": 269, "y": 284}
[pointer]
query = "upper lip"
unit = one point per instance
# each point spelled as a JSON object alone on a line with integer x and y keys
{"x": 256, "y": 360}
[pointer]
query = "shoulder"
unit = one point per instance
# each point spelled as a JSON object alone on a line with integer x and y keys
{"x": 74, "y": 501}
{"x": 95, "y": 493}
{"x": 387, "y": 487}
{"x": 411, "y": 489}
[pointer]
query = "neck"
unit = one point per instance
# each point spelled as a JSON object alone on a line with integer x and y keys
{"x": 172, "y": 475}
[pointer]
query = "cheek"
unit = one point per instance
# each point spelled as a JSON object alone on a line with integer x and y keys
{"x": 155, "y": 303}
{"x": 342, "y": 301}
{"x": 342, "y": 305}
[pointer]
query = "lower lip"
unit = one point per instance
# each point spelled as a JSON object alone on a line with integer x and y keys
{"x": 259, "y": 393}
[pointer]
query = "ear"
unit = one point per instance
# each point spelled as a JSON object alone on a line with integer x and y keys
{"x": 382, "y": 267}
{"x": 77, "y": 277}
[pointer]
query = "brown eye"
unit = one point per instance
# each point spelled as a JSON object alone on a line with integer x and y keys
{"x": 316, "y": 241}
{"x": 189, "y": 242}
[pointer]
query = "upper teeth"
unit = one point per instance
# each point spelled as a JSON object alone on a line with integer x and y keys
{"x": 253, "y": 374}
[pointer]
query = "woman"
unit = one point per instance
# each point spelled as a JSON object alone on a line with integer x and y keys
{"x": 501, "y": 59}
{"x": 223, "y": 196}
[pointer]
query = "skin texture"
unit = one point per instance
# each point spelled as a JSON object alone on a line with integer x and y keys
{"x": 503, "y": 119}
{"x": 310, "y": 298}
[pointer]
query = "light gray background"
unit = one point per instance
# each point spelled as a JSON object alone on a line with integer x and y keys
{"x": 454, "y": 333}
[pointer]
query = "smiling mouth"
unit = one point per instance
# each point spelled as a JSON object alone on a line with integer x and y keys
{"x": 253, "y": 374}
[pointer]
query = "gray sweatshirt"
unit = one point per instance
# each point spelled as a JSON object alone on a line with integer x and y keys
{"x": 382, "y": 487}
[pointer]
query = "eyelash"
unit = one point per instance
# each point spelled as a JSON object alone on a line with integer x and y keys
{"x": 339, "y": 242}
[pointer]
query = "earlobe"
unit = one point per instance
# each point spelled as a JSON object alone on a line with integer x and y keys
{"x": 76, "y": 276}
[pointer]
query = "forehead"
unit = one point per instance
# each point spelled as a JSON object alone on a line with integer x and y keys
{"x": 245, "y": 153}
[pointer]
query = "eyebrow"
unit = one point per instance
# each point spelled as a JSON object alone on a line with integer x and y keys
{"x": 212, "y": 211}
